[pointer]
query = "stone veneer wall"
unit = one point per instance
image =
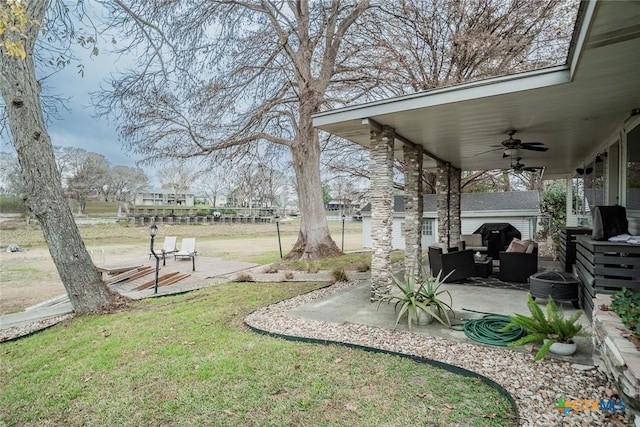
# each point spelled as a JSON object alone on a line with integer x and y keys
{"x": 448, "y": 184}
{"x": 381, "y": 193}
{"x": 619, "y": 357}
{"x": 413, "y": 208}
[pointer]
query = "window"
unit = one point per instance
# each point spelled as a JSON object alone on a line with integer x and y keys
{"x": 427, "y": 227}
{"x": 633, "y": 169}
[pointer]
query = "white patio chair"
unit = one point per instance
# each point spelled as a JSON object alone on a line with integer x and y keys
{"x": 168, "y": 247}
{"x": 187, "y": 250}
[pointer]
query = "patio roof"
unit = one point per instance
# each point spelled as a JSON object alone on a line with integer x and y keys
{"x": 573, "y": 109}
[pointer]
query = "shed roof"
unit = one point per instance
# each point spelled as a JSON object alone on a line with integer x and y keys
{"x": 478, "y": 202}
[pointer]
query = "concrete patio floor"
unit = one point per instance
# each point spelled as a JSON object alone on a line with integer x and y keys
{"x": 352, "y": 305}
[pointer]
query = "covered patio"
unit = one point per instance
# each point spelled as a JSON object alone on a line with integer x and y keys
{"x": 577, "y": 110}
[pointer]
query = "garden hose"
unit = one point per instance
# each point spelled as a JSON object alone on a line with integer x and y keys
{"x": 488, "y": 329}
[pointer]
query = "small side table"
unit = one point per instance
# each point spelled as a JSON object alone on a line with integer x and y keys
{"x": 561, "y": 286}
{"x": 484, "y": 267}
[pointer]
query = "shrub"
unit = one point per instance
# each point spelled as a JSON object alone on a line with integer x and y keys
{"x": 244, "y": 277}
{"x": 549, "y": 329}
{"x": 362, "y": 267}
{"x": 227, "y": 211}
{"x": 339, "y": 275}
{"x": 313, "y": 267}
{"x": 626, "y": 304}
{"x": 270, "y": 269}
{"x": 12, "y": 205}
{"x": 423, "y": 295}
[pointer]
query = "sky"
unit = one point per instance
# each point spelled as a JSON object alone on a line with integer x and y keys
{"x": 79, "y": 127}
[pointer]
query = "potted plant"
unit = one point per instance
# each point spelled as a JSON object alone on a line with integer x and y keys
{"x": 555, "y": 331}
{"x": 422, "y": 299}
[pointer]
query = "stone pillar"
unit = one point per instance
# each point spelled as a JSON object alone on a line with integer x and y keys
{"x": 413, "y": 208}
{"x": 381, "y": 212}
{"x": 449, "y": 224}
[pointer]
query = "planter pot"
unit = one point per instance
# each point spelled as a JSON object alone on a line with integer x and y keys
{"x": 422, "y": 317}
{"x": 563, "y": 349}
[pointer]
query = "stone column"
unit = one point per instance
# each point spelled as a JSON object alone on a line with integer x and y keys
{"x": 413, "y": 208}
{"x": 448, "y": 204}
{"x": 381, "y": 212}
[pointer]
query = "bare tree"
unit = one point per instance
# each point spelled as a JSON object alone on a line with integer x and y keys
{"x": 124, "y": 183}
{"x": 11, "y": 181}
{"x": 89, "y": 176}
{"x": 425, "y": 44}
{"x": 256, "y": 185}
{"x": 217, "y": 78}
{"x": 213, "y": 183}
{"x": 245, "y": 72}
{"x": 435, "y": 43}
{"x": 44, "y": 197}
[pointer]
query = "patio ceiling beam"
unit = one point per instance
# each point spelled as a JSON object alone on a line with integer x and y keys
{"x": 378, "y": 127}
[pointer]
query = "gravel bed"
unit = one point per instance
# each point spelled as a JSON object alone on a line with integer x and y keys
{"x": 29, "y": 328}
{"x": 536, "y": 386}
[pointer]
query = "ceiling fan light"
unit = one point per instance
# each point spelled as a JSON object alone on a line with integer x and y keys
{"x": 510, "y": 152}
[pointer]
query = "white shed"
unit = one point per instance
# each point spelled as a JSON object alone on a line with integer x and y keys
{"x": 519, "y": 208}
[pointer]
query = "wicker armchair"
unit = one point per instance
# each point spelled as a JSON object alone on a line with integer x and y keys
{"x": 460, "y": 264}
{"x": 517, "y": 266}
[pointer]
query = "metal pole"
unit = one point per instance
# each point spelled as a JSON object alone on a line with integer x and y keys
{"x": 155, "y": 288}
{"x": 343, "y": 233}
{"x": 279, "y": 241}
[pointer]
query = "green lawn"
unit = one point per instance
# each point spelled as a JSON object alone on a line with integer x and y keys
{"x": 188, "y": 360}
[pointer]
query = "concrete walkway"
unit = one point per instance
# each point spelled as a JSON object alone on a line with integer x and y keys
{"x": 209, "y": 271}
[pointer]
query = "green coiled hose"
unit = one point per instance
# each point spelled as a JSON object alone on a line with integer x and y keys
{"x": 488, "y": 329}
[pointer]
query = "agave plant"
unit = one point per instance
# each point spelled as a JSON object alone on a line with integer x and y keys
{"x": 549, "y": 329}
{"x": 424, "y": 294}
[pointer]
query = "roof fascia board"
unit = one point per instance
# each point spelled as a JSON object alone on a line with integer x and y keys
{"x": 507, "y": 212}
{"x": 583, "y": 32}
{"x": 464, "y": 92}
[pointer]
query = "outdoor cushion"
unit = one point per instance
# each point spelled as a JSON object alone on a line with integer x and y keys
{"x": 521, "y": 246}
{"x": 472, "y": 240}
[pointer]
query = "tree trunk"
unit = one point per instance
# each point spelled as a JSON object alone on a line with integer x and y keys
{"x": 44, "y": 197}
{"x": 314, "y": 239}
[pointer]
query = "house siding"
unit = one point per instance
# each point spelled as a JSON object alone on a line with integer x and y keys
{"x": 521, "y": 209}
{"x": 524, "y": 224}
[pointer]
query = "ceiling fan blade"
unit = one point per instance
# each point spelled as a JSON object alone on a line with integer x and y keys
{"x": 534, "y": 148}
{"x": 490, "y": 151}
{"x": 532, "y": 143}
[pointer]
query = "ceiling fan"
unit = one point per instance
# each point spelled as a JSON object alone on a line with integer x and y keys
{"x": 519, "y": 167}
{"x": 512, "y": 145}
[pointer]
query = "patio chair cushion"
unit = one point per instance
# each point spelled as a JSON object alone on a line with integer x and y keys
{"x": 521, "y": 246}
{"x": 473, "y": 242}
